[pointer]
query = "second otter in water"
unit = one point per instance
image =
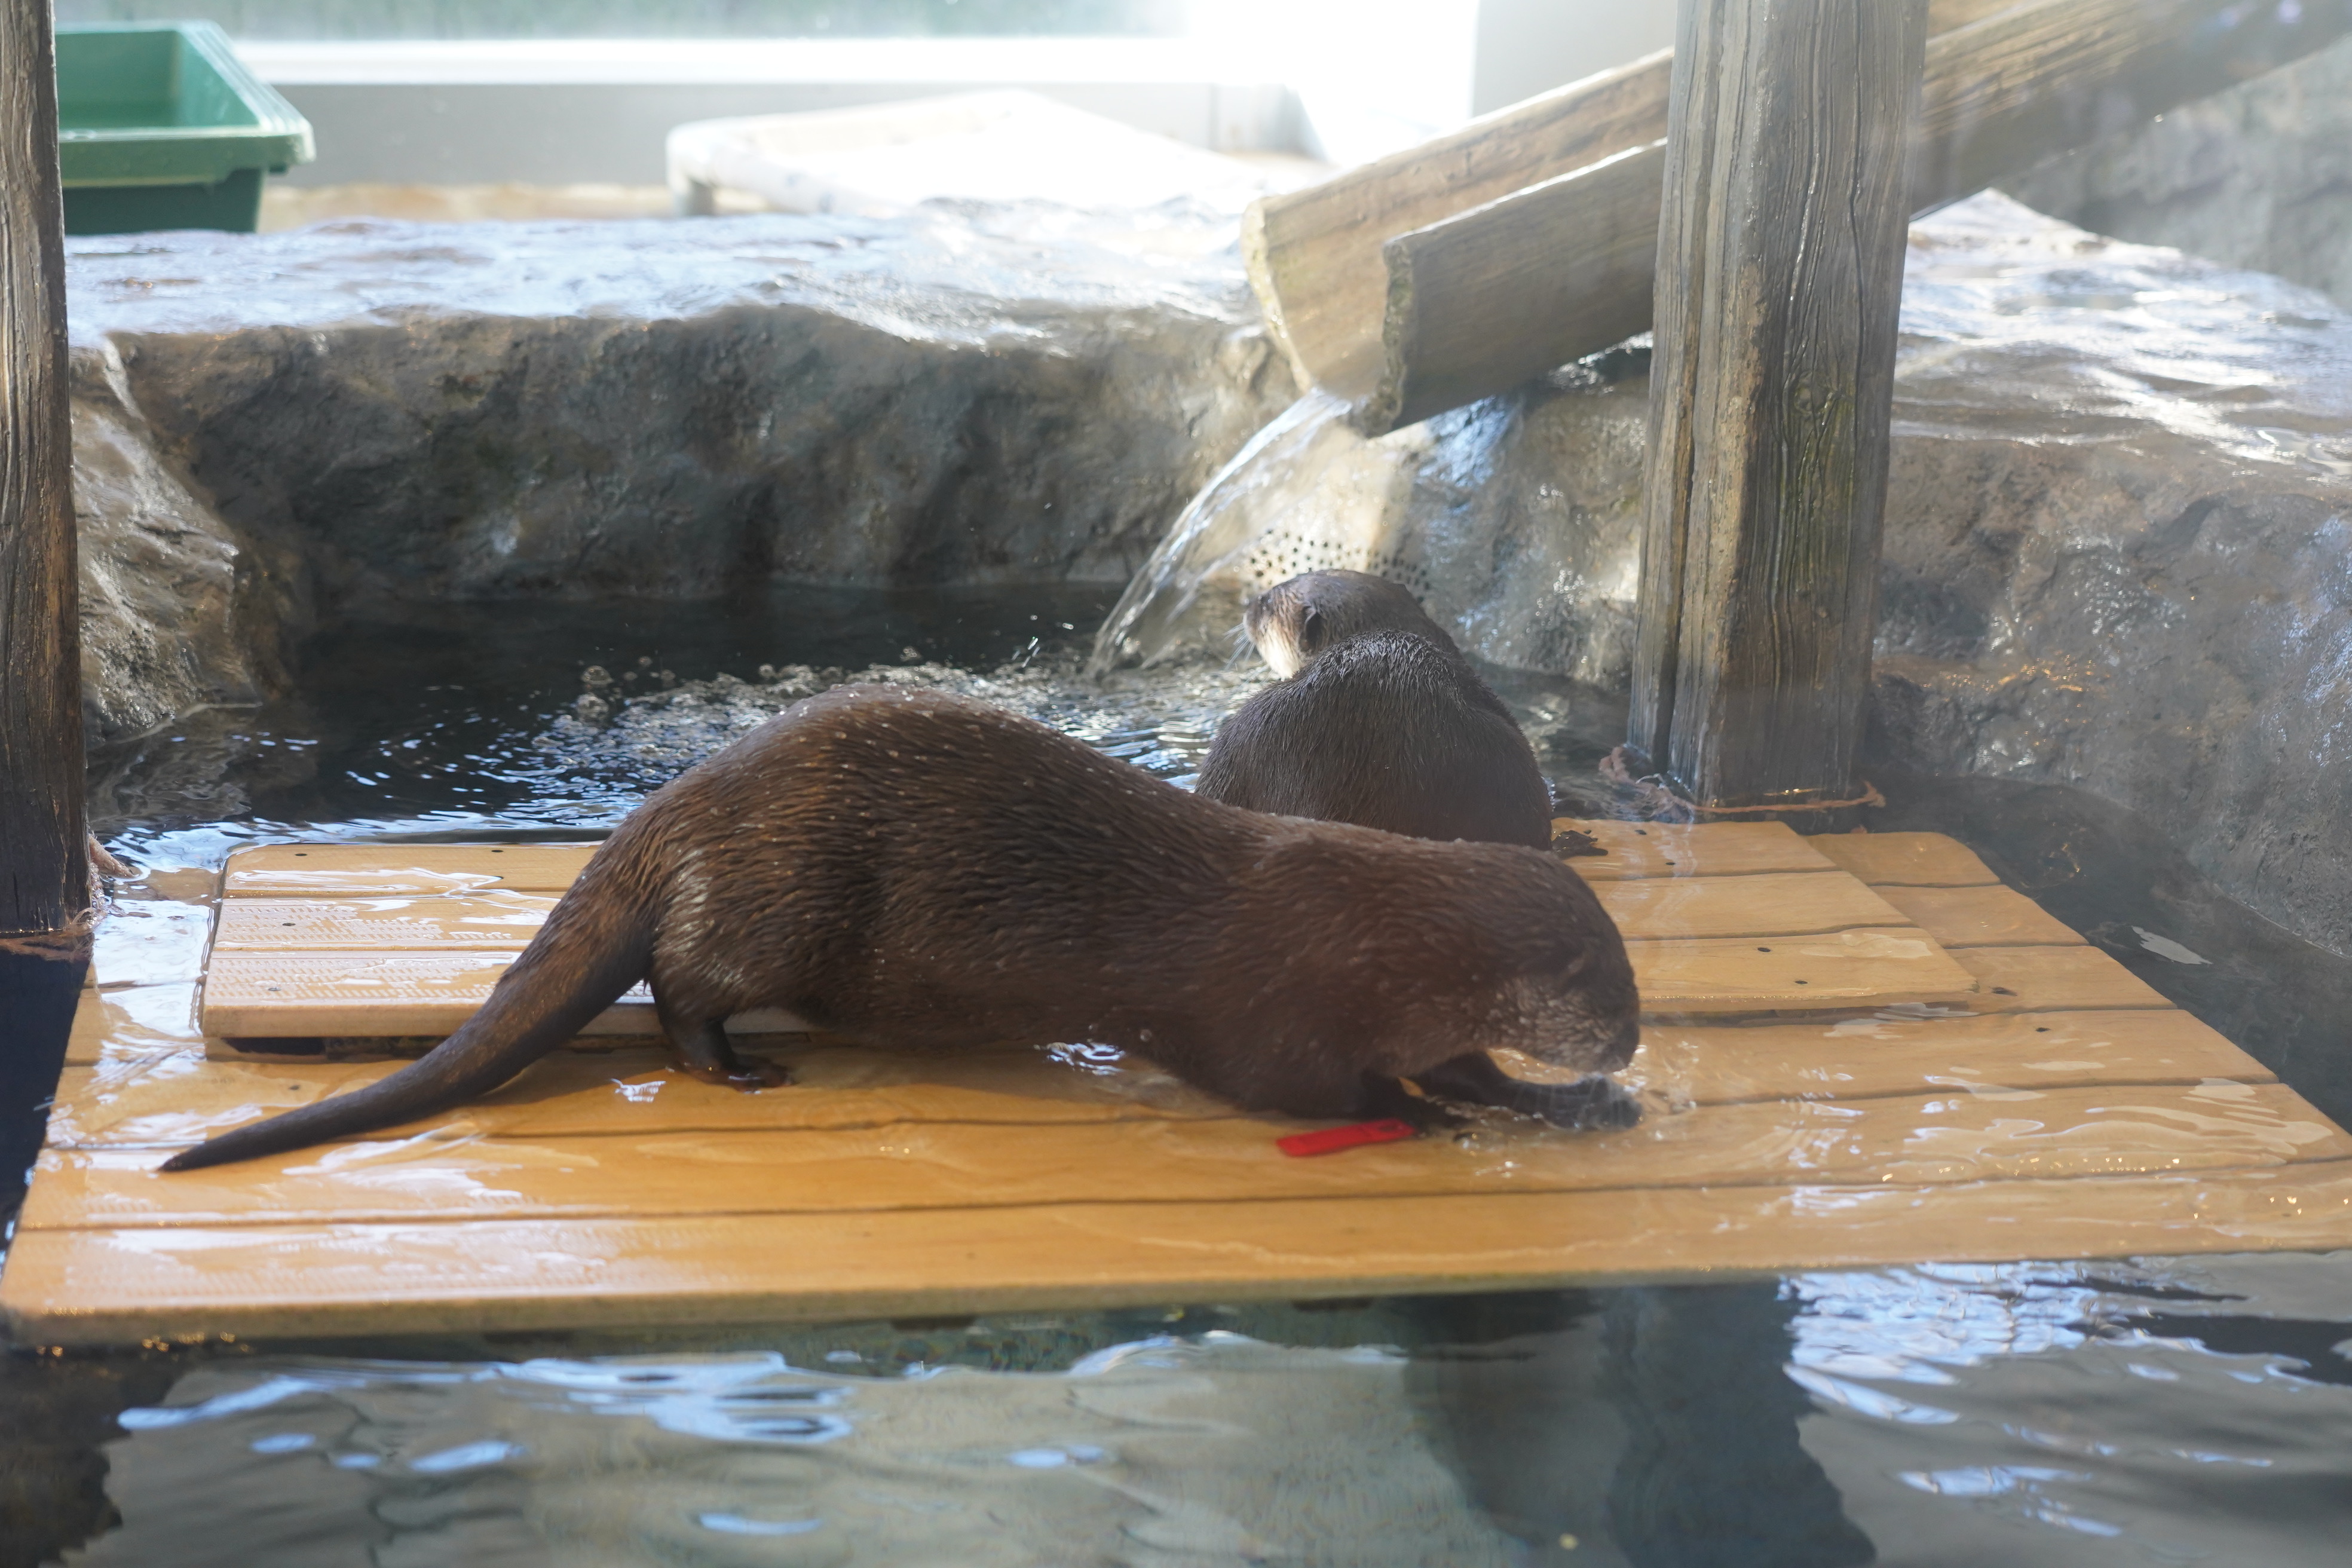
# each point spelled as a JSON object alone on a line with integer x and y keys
{"x": 912, "y": 868}
{"x": 1377, "y": 721}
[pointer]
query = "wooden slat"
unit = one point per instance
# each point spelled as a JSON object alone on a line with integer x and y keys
{"x": 137, "y": 1021}
{"x": 1892, "y": 1053}
{"x": 1458, "y": 305}
{"x": 392, "y": 923}
{"x": 898, "y": 1182}
{"x": 454, "y": 1174}
{"x": 1769, "y": 904}
{"x": 1981, "y": 917}
{"x": 281, "y": 994}
{"x": 181, "y": 1097}
{"x": 1315, "y": 254}
{"x": 1835, "y": 969}
{"x": 631, "y": 1091}
{"x": 114, "y": 1285}
{"x": 375, "y": 870}
{"x": 1668, "y": 849}
{"x": 1905, "y": 859}
{"x": 2040, "y": 979}
{"x": 2000, "y": 96}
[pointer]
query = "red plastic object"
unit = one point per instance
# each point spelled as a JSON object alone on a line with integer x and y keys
{"x": 1331, "y": 1140}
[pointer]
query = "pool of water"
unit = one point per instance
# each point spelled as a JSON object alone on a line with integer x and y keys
{"x": 2157, "y": 1411}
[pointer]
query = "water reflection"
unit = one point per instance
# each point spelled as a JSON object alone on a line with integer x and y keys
{"x": 2172, "y": 1411}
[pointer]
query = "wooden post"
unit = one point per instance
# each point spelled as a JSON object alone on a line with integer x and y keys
{"x": 44, "y": 866}
{"x": 1779, "y": 279}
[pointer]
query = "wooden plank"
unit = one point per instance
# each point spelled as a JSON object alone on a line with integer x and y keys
{"x": 2036, "y": 80}
{"x": 1770, "y": 904}
{"x": 2018, "y": 86}
{"x": 66, "y": 1287}
{"x": 1801, "y": 974}
{"x": 1905, "y": 859}
{"x": 181, "y": 1095}
{"x": 1981, "y": 917}
{"x": 1315, "y": 254}
{"x": 631, "y": 1091}
{"x": 135, "y": 1022}
{"x": 281, "y": 994}
{"x": 1671, "y": 849}
{"x": 1454, "y": 325}
{"x": 379, "y": 870}
{"x": 453, "y": 1173}
{"x": 1895, "y": 1052}
{"x": 44, "y": 861}
{"x": 1769, "y": 405}
{"x": 2040, "y": 979}
{"x": 485, "y": 921}
{"x": 1784, "y": 902}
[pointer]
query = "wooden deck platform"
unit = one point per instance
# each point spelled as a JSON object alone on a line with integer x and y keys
{"x": 1865, "y": 1051}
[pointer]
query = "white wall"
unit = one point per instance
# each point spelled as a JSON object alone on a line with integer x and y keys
{"x": 1525, "y": 47}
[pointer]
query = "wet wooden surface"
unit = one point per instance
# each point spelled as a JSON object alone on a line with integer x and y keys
{"x": 361, "y": 940}
{"x": 2063, "y": 1110}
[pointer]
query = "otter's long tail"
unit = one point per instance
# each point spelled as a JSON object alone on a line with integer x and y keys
{"x": 591, "y": 950}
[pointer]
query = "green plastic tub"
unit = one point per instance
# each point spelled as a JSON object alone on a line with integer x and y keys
{"x": 160, "y": 125}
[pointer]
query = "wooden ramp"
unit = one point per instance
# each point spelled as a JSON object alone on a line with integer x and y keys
{"x": 1865, "y": 1052}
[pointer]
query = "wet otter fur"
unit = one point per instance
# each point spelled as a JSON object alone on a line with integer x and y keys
{"x": 1378, "y": 720}
{"x": 914, "y": 868}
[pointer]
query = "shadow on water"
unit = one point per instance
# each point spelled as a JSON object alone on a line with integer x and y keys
{"x": 37, "y": 997}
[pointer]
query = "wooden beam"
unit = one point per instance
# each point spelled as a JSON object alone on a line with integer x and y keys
{"x": 1315, "y": 254}
{"x": 1482, "y": 299}
{"x": 44, "y": 867}
{"x": 1781, "y": 278}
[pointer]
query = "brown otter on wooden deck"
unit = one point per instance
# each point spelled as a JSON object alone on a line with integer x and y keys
{"x": 1378, "y": 719}
{"x": 904, "y": 866}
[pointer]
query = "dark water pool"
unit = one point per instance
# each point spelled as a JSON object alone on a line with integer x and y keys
{"x": 2156, "y": 1412}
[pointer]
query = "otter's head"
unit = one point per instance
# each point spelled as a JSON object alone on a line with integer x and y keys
{"x": 1527, "y": 959}
{"x": 1296, "y": 619}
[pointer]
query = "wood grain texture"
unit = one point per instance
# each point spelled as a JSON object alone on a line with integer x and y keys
{"x": 1315, "y": 256}
{"x": 2031, "y": 81}
{"x": 1580, "y": 258}
{"x": 44, "y": 869}
{"x": 179, "y": 1096}
{"x": 2044, "y": 979}
{"x": 1796, "y": 973}
{"x": 1650, "y": 908}
{"x": 494, "y": 920}
{"x": 1780, "y": 277}
{"x": 2006, "y": 87}
{"x": 111, "y": 1286}
{"x": 363, "y": 991}
{"x": 1669, "y": 849}
{"x": 376, "y": 870}
{"x": 1981, "y": 917}
{"x": 1905, "y": 859}
{"x": 2061, "y": 1110}
{"x": 452, "y": 1172}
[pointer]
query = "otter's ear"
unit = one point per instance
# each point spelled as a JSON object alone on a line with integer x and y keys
{"x": 1310, "y": 631}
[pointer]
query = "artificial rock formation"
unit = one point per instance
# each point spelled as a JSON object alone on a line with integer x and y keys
{"x": 2116, "y": 531}
{"x": 271, "y": 429}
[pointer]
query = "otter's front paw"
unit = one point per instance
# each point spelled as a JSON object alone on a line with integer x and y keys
{"x": 1589, "y": 1104}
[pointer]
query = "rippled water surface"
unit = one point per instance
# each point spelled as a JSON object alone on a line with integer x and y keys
{"x": 2161, "y": 1411}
